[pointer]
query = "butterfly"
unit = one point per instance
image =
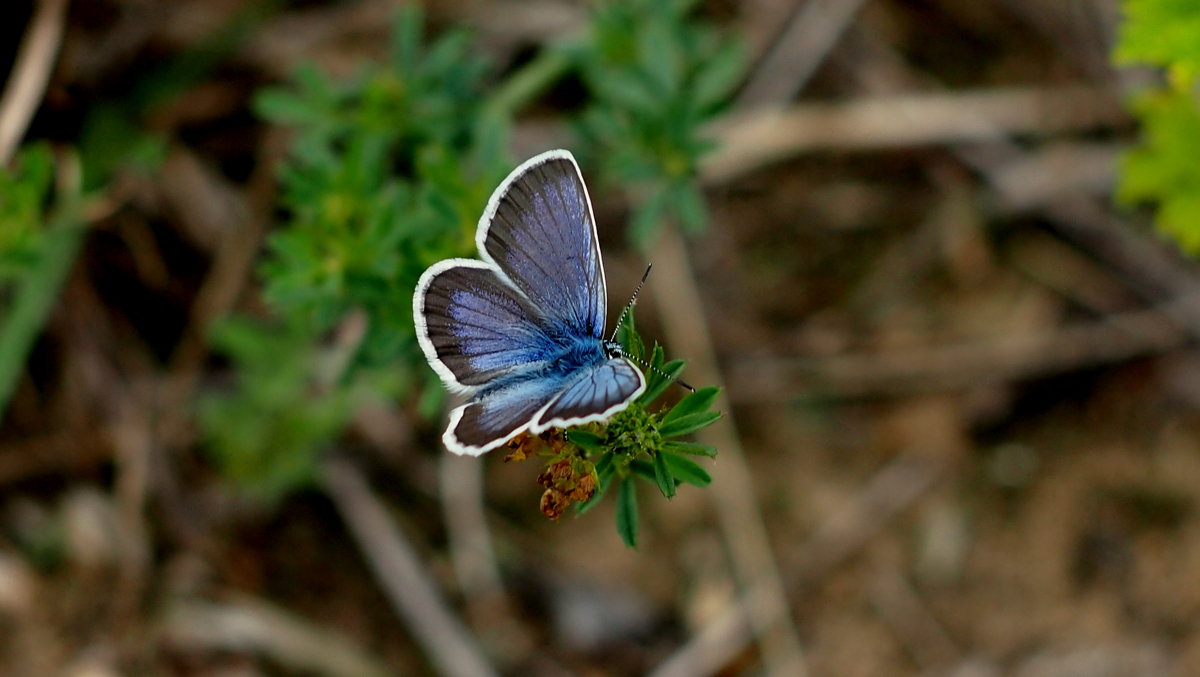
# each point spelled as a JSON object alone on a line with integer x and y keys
{"x": 521, "y": 330}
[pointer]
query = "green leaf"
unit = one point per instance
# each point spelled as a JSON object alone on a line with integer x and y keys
{"x": 686, "y": 470}
{"x": 629, "y": 339}
{"x": 587, "y": 440}
{"x": 688, "y": 203}
{"x": 644, "y": 470}
{"x": 662, "y": 476}
{"x": 690, "y": 448}
{"x": 714, "y": 83}
{"x": 694, "y": 403}
{"x": 657, "y": 383}
{"x": 1163, "y": 167}
{"x": 688, "y": 424}
{"x": 1163, "y": 33}
{"x": 627, "y": 513}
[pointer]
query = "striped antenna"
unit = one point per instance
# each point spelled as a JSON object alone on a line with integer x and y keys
{"x": 628, "y": 306}
{"x": 621, "y": 320}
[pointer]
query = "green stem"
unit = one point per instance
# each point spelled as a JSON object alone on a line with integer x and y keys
{"x": 35, "y": 296}
{"x": 528, "y": 82}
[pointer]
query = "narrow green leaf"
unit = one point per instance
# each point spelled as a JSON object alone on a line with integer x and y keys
{"x": 688, "y": 203}
{"x": 643, "y": 470}
{"x": 627, "y": 517}
{"x": 686, "y": 470}
{"x": 586, "y": 440}
{"x": 688, "y": 424}
{"x": 720, "y": 73}
{"x": 690, "y": 448}
{"x": 694, "y": 403}
{"x": 663, "y": 477}
{"x": 656, "y": 384}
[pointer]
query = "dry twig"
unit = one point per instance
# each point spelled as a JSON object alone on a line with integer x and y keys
{"x": 759, "y": 137}
{"x": 887, "y": 495}
{"x": 409, "y": 587}
{"x": 251, "y": 626}
{"x": 30, "y": 74}
{"x": 813, "y": 30}
{"x": 1001, "y": 359}
{"x": 734, "y": 495}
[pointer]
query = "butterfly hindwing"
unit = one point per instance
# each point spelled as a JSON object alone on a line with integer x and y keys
{"x": 539, "y": 231}
{"x": 595, "y": 394}
{"x": 486, "y": 423}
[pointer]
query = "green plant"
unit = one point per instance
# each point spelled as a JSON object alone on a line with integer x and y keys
{"x": 641, "y": 443}
{"x": 40, "y": 234}
{"x": 388, "y": 172}
{"x": 638, "y": 443}
{"x": 1163, "y": 168}
{"x": 655, "y": 78}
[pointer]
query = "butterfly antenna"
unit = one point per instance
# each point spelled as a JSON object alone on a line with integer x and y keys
{"x": 629, "y": 306}
{"x": 677, "y": 381}
{"x": 621, "y": 320}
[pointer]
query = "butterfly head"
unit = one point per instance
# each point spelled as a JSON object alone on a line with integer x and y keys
{"x": 612, "y": 349}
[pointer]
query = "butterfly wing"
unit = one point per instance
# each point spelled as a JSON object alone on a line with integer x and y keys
{"x": 595, "y": 394}
{"x": 499, "y": 327}
{"x": 539, "y": 231}
{"x": 474, "y": 327}
{"x": 498, "y": 416}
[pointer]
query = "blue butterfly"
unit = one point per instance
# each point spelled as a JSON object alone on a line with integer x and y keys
{"x": 521, "y": 331}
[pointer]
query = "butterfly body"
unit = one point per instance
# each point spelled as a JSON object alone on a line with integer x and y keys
{"x": 521, "y": 330}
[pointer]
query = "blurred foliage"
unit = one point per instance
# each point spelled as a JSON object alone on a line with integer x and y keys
{"x": 41, "y": 230}
{"x": 388, "y": 172}
{"x": 655, "y": 78}
{"x": 1163, "y": 33}
{"x": 1163, "y": 168}
{"x": 40, "y": 234}
{"x": 24, "y": 197}
{"x": 269, "y": 438}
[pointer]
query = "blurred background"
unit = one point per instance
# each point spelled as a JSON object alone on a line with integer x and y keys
{"x": 930, "y": 250}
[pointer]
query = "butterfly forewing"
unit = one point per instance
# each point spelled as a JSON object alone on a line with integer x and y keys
{"x": 474, "y": 327}
{"x": 542, "y": 236}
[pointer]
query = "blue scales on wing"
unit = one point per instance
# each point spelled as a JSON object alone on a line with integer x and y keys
{"x": 479, "y": 327}
{"x": 542, "y": 236}
{"x": 520, "y": 331}
{"x": 594, "y": 394}
{"x": 506, "y": 411}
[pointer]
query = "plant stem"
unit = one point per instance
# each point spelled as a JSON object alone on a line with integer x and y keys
{"x": 35, "y": 296}
{"x": 528, "y": 82}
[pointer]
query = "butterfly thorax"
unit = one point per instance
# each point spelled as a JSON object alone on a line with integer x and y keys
{"x": 569, "y": 357}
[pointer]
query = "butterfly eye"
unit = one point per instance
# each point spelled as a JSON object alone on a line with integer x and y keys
{"x": 613, "y": 349}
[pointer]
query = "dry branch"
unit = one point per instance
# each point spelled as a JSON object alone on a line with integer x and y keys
{"x": 27, "y": 82}
{"x": 884, "y": 497}
{"x": 733, "y": 493}
{"x": 1002, "y": 359}
{"x": 251, "y": 626}
{"x": 813, "y": 30}
{"x": 756, "y": 138}
{"x": 412, "y": 591}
